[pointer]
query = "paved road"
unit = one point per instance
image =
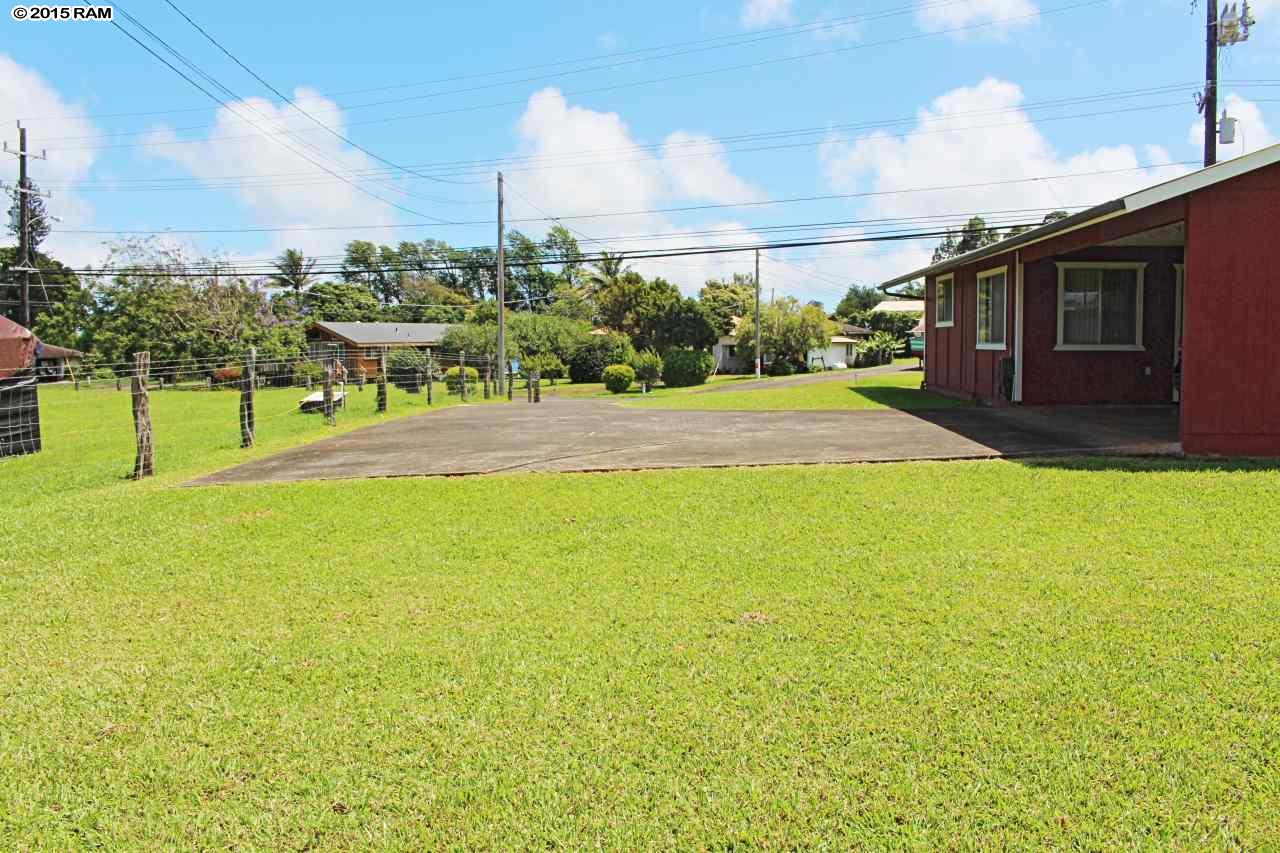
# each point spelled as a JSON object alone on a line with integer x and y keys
{"x": 588, "y": 435}
{"x": 804, "y": 379}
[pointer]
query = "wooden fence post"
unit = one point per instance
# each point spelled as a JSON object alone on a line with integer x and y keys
{"x": 511, "y": 382}
{"x": 537, "y": 387}
{"x": 488, "y": 374}
{"x": 328, "y": 393}
{"x": 144, "y": 464}
{"x": 462, "y": 375}
{"x": 248, "y": 382}
{"x": 382, "y": 383}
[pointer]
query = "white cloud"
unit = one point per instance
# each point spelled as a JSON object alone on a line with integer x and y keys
{"x": 944, "y": 16}
{"x": 1252, "y": 132}
{"x": 762, "y": 13}
{"x": 996, "y": 169}
{"x": 24, "y": 92}
{"x": 608, "y": 41}
{"x": 706, "y": 176}
{"x": 236, "y": 145}
{"x": 627, "y": 178}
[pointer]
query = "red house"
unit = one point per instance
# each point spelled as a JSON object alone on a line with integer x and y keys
{"x": 1170, "y": 295}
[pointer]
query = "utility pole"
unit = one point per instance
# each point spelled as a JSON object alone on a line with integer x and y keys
{"x": 759, "y": 355}
{"x": 1210, "y": 102}
{"x": 24, "y": 265}
{"x": 502, "y": 290}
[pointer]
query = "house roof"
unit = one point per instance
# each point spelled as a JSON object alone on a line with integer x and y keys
{"x": 850, "y": 329}
{"x": 46, "y": 351}
{"x": 387, "y": 334}
{"x": 1157, "y": 194}
{"x": 900, "y": 306}
{"x": 841, "y": 339}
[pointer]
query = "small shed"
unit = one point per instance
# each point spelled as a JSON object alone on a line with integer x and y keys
{"x": 19, "y": 400}
{"x": 361, "y": 345}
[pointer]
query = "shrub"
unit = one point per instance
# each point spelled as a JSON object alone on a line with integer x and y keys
{"x": 304, "y": 370}
{"x": 593, "y": 355}
{"x": 780, "y": 367}
{"x": 648, "y": 367}
{"x": 106, "y": 374}
{"x": 618, "y": 378}
{"x": 227, "y": 376}
{"x": 684, "y": 367}
{"x": 454, "y": 385}
{"x": 408, "y": 369}
{"x": 546, "y": 365}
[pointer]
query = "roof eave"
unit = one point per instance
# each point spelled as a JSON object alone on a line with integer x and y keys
{"x": 1082, "y": 219}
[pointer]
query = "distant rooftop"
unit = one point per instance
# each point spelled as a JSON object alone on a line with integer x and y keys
{"x": 900, "y": 306}
{"x": 387, "y": 334}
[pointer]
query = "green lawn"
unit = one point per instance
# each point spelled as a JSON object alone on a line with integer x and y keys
{"x": 873, "y": 391}
{"x": 928, "y": 655}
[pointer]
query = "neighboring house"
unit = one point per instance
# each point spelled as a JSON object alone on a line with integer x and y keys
{"x": 55, "y": 363}
{"x": 1166, "y": 294}
{"x": 362, "y": 345}
{"x": 843, "y": 349}
{"x": 900, "y": 306}
{"x": 728, "y": 358}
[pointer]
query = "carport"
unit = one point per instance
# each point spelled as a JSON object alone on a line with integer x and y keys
{"x": 1167, "y": 297}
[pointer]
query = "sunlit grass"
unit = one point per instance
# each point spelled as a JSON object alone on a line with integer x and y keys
{"x": 925, "y": 655}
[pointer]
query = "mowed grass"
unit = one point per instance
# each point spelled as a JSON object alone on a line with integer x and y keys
{"x": 927, "y": 655}
{"x": 849, "y": 391}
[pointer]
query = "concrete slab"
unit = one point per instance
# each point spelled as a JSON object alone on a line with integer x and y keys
{"x": 588, "y": 435}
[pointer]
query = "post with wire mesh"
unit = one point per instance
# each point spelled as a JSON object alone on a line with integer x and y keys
{"x": 248, "y": 382}
{"x": 328, "y": 393}
{"x": 488, "y": 374}
{"x": 431, "y": 378}
{"x": 462, "y": 375}
{"x": 537, "y": 386}
{"x": 144, "y": 464}
{"x": 382, "y": 383}
{"x": 511, "y": 381}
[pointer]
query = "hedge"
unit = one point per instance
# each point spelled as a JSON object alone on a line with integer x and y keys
{"x": 618, "y": 378}
{"x": 684, "y": 367}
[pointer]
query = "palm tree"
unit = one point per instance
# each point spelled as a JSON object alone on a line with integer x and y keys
{"x": 607, "y": 271}
{"x": 293, "y": 270}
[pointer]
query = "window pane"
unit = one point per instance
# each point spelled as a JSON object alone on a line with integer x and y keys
{"x": 1119, "y": 307}
{"x": 991, "y": 310}
{"x": 1081, "y": 315}
{"x": 946, "y": 310}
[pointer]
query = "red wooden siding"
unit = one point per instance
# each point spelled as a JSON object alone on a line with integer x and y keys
{"x": 954, "y": 364}
{"x": 1231, "y": 378}
{"x": 1051, "y": 377}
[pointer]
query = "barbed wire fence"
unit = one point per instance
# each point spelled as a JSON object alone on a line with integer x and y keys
{"x": 327, "y": 382}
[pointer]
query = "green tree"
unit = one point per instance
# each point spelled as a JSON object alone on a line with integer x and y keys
{"x": 788, "y": 331}
{"x": 341, "y": 302}
{"x": 605, "y": 272}
{"x": 530, "y": 283}
{"x": 858, "y": 298}
{"x": 728, "y": 299}
{"x": 974, "y": 235}
{"x": 686, "y": 323}
{"x": 53, "y": 285}
{"x": 39, "y": 223}
{"x": 475, "y": 339}
{"x": 637, "y": 306}
{"x": 293, "y": 271}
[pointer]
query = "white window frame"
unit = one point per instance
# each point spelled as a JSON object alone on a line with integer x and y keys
{"x": 950, "y": 280}
{"x": 982, "y": 276}
{"x": 1139, "y": 299}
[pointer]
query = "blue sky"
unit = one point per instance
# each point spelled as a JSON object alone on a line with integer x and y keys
{"x": 576, "y": 89}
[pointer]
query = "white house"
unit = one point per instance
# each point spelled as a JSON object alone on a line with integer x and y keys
{"x": 842, "y": 350}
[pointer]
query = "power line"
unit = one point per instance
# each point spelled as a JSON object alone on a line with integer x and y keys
{"x": 672, "y": 77}
{"x": 615, "y": 214}
{"x": 293, "y": 104}
{"x": 224, "y": 104}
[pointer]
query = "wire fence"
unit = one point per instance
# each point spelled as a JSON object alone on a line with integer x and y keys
{"x": 99, "y": 420}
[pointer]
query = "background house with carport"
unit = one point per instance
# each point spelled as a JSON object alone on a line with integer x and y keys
{"x": 362, "y": 345}
{"x": 1169, "y": 295}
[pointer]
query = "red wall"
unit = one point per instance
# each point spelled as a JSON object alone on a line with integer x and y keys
{"x": 1231, "y": 379}
{"x": 953, "y": 362}
{"x": 1051, "y": 377}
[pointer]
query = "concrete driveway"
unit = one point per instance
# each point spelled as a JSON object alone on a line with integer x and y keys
{"x": 588, "y": 435}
